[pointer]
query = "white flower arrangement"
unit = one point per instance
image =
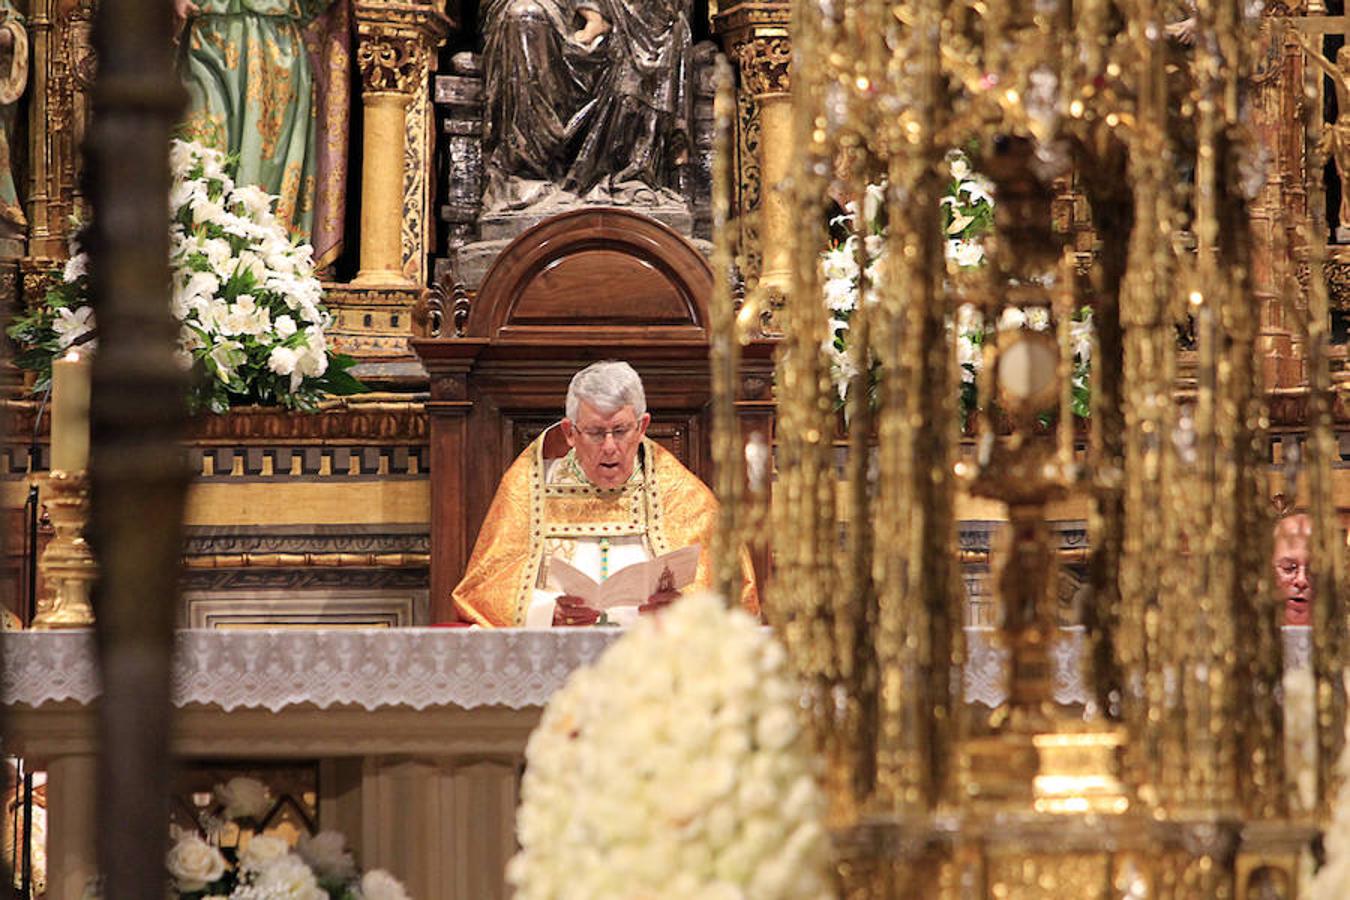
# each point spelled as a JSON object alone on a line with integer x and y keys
{"x": 1332, "y": 881}
{"x": 246, "y": 297}
{"x": 676, "y": 766}
{"x": 967, "y": 216}
{"x": 319, "y": 867}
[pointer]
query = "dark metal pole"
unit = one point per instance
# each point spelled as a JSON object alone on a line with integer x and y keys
{"x": 138, "y": 476}
{"x": 26, "y": 862}
{"x": 32, "y": 510}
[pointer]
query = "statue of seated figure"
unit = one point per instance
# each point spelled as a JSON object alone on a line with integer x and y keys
{"x": 586, "y": 101}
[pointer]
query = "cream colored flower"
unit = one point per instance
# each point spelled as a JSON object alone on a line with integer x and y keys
{"x": 380, "y": 885}
{"x": 70, "y": 325}
{"x": 958, "y": 165}
{"x": 76, "y": 267}
{"x": 966, "y": 254}
{"x": 193, "y": 864}
{"x": 1038, "y": 318}
{"x": 206, "y": 211}
{"x": 243, "y": 798}
{"x": 874, "y": 201}
{"x": 960, "y": 222}
{"x": 227, "y": 356}
{"x": 262, "y": 849}
{"x": 1012, "y": 319}
{"x": 289, "y": 877}
{"x": 256, "y": 202}
{"x": 327, "y": 854}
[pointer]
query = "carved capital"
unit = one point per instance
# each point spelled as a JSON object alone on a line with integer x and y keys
{"x": 37, "y": 277}
{"x": 764, "y": 61}
{"x": 756, "y": 34}
{"x": 1338, "y": 282}
{"x": 390, "y": 60}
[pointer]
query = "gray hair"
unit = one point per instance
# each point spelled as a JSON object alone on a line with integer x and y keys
{"x": 609, "y": 386}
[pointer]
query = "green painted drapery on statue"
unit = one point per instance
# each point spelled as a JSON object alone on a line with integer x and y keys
{"x": 13, "y": 80}
{"x": 251, "y": 89}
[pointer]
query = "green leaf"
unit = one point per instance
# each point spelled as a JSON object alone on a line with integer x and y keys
{"x": 342, "y": 383}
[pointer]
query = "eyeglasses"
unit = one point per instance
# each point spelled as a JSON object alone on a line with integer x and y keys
{"x": 598, "y": 435}
{"x": 1288, "y": 568}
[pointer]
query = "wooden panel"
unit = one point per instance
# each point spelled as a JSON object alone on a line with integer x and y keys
{"x": 628, "y": 291}
{"x": 597, "y": 273}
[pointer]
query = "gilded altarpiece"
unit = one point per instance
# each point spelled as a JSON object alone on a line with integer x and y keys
{"x": 324, "y": 517}
{"x": 756, "y": 37}
{"x": 58, "y": 114}
{"x": 395, "y": 52}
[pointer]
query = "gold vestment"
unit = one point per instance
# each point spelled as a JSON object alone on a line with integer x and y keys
{"x": 664, "y": 502}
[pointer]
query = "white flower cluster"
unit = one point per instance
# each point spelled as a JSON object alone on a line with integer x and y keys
{"x": 320, "y": 867}
{"x": 1332, "y": 881}
{"x": 240, "y": 288}
{"x": 967, "y": 212}
{"x": 970, "y": 196}
{"x": 972, "y": 334}
{"x": 676, "y": 766}
{"x": 268, "y": 869}
{"x": 246, "y": 296}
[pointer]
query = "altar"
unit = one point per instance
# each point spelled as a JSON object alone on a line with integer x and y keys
{"x": 420, "y": 734}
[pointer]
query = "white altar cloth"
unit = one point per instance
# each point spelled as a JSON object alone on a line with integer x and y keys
{"x": 276, "y": 668}
{"x": 376, "y": 668}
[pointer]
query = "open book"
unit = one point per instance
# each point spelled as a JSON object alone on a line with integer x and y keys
{"x": 631, "y": 585}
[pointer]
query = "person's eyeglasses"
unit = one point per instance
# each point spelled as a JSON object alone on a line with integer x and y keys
{"x": 598, "y": 435}
{"x": 1289, "y": 568}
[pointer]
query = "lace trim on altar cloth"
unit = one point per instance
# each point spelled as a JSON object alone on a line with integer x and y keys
{"x": 986, "y": 671}
{"x": 275, "y": 669}
{"x": 425, "y": 667}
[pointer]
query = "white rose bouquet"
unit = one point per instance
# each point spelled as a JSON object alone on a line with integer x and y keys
{"x": 967, "y": 217}
{"x": 267, "y": 867}
{"x": 249, "y": 304}
{"x": 676, "y": 766}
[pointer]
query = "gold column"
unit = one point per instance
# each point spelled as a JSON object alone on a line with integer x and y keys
{"x": 387, "y": 60}
{"x": 758, "y": 37}
{"x": 382, "y": 189}
{"x": 394, "y": 49}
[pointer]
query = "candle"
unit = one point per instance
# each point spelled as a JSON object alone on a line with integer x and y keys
{"x": 70, "y": 413}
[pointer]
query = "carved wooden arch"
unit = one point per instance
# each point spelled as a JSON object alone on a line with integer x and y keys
{"x": 612, "y": 274}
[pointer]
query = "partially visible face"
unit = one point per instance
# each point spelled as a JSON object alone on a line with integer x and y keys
{"x": 1292, "y": 575}
{"x": 606, "y": 445}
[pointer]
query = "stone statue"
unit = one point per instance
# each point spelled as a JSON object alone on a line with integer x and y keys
{"x": 251, "y": 93}
{"x": 13, "y": 80}
{"x": 603, "y": 115}
{"x": 1336, "y": 138}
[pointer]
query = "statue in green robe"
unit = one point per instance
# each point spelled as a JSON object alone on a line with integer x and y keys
{"x": 13, "y": 80}
{"x": 251, "y": 94}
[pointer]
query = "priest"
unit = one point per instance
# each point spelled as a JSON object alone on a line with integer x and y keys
{"x": 615, "y": 498}
{"x": 1292, "y": 558}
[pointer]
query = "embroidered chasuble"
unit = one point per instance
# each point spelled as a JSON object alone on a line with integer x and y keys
{"x": 545, "y": 508}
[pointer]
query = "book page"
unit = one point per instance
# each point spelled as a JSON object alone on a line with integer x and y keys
{"x": 632, "y": 585}
{"x": 570, "y": 580}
